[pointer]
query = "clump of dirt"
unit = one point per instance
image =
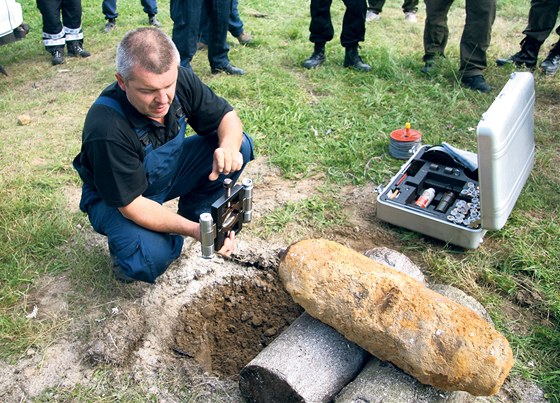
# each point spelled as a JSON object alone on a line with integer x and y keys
{"x": 228, "y": 325}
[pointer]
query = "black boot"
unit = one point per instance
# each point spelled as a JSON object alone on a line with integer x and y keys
{"x": 317, "y": 58}
{"x": 551, "y": 64}
{"x": 526, "y": 56}
{"x": 75, "y": 49}
{"x": 353, "y": 59}
{"x": 57, "y": 53}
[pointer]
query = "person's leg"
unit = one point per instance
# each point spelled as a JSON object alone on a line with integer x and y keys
{"x": 410, "y": 6}
{"x": 551, "y": 64}
{"x": 186, "y": 23}
{"x": 235, "y": 25}
{"x": 542, "y": 18}
{"x": 195, "y": 191}
{"x": 436, "y": 31}
{"x": 376, "y": 6}
{"x": 53, "y": 32}
{"x": 353, "y": 23}
{"x": 141, "y": 254}
{"x": 476, "y": 36}
{"x": 72, "y": 21}
{"x": 321, "y": 31}
{"x": 109, "y": 8}
{"x": 203, "y": 35}
{"x": 321, "y": 28}
{"x": 218, "y": 49}
{"x": 353, "y": 32}
{"x": 151, "y": 8}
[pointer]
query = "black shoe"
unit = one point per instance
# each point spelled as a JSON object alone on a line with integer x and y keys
{"x": 476, "y": 83}
{"x": 352, "y": 59}
{"x": 317, "y": 58}
{"x": 429, "y": 65}
{"x": 551, "y": 64}
{"x": 57, "y": 56}
{"x": 228, "y": 69}
{"x": 75, "y": 49}
{"x": 118, "y": 271}
{"x": 520, "y": 59}
{"x": 526, "y": 56}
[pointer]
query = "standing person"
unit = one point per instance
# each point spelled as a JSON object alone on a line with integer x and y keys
{"x": 409, "y": 7}
{"x": 135, "y": 156}
{"x": 68, "y": 31}
{"x": 322, "y": 31}
{"x": 542, "y": 18}
{"x": 109, "y": 8}
{"x": 186, "y": 16}
{"x": 474, "y": 41}
{"x": 235, "y": 27}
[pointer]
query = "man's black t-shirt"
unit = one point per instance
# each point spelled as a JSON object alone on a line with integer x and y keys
{"x": 111, "y": 158}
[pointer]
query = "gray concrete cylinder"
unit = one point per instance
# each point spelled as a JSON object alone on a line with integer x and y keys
{"x": 308, "y": 362}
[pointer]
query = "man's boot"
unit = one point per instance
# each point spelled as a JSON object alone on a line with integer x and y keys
{"x": 57, "y": 53}
{"x": 551, "y": 64}
{"x": 317, "y": 58}
{"x": 353, "y": 59}
{"x": 75, "y": 49}
{"x": 526, "y": 56}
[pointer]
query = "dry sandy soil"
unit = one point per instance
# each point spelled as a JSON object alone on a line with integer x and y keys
{"x": 200, "y": 323}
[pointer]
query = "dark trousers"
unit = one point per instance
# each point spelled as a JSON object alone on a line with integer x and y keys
{"x": 57, "y": 32}
{"x": 353, "y": 23}
{"x": 542, "y": 18}
{"x": 409, "y": 6}
{"x": 109, "y": 8}
{"x": 476, "y": 33}
{"x": 235, "y": 25}
{"x": 186, "y": 16}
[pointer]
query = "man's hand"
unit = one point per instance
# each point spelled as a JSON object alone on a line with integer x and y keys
{"x": 227, "y": 158}
{"x": 225, "y": 161}
{"x": 229, "y": 245}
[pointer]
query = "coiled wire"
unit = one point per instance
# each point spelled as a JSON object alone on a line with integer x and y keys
{"x": 404, "y": 142}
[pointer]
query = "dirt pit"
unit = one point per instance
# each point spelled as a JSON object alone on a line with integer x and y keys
{"x": 229, "y": 324}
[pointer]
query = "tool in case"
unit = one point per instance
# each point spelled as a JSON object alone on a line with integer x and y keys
{"x": 443, "y": 193}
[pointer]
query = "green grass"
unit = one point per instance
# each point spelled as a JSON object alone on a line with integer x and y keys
{"x": 331, "y": 122}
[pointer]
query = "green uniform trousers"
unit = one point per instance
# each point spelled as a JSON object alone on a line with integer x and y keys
{"x": 476, "y": 33}
{"x": 542, "y": 18}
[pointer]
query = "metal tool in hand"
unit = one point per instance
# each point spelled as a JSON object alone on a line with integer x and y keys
{"x": 228, "y": 213}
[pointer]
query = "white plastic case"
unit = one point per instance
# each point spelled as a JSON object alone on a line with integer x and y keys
{"x": 506, "y": 153}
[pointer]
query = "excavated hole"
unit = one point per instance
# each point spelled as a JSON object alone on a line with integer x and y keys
{"x": 228, "y": 324}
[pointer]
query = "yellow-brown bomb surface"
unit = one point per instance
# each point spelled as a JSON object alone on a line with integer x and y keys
{"x": 395, "y": 318}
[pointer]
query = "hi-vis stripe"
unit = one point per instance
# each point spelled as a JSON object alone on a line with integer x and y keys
{"x": 67, "y": 34}
{"x": 54, "y": 39}
{"x": 73, "y": 34}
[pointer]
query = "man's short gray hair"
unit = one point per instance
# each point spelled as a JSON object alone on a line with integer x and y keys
{"x": 148, "y": 48}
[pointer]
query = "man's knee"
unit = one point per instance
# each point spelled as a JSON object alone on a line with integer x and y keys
{"x": 147, "y": 257}
{"x": 247, "y": 149}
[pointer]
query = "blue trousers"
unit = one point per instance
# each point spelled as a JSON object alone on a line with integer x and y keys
{"x": 235, "y": 25}
{"x": 109, "y": 8}
{"x": 144, "y": 254}
{"x": 186, "y": 16}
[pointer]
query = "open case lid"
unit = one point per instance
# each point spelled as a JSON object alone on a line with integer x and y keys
{"x": 506, "y": 149}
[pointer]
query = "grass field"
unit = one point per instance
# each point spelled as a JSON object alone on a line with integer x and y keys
{"x": 330, "y": 121}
